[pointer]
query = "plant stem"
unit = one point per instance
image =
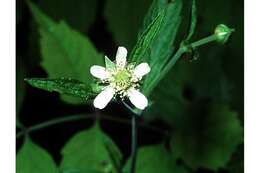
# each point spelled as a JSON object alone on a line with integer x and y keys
{"x": 183, "y": 49}
{"x": 80, "y": 117}
{"x": 134, "y": 144}
{"x": 52, "y": 122}
{"x": 172, "y": 62}
{"x": 203, "y": 41}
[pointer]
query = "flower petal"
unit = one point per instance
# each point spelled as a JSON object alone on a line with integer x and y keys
{"x": 103, "y": 98}
{"x": 99, "y": 72}
{"x": 141, "y": 70}
{"x": 121, "y": 55}
{"x": 137, "y": 98}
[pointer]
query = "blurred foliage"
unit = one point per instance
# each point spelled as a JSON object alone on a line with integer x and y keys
{"x": 200, "y": 99}
{"x": 20, "y": 87}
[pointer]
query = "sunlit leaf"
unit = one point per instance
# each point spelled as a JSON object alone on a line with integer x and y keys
{"x": 141, "y": 49}
{"x": 91, "y": 150}
{"x": 65, "y": 52}
{"x": 162, "y": 47}
{"x": 31, "y": 159}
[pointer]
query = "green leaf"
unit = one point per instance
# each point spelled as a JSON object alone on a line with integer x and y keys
{"x": 65, "y": 52}
{"x": 162, "y": 47}
{"x": 91, "y": 150}
{"x": 79, "y": 171}
{"x": 207, "y": 136}
{"x": 63, "y": 86}
{"x": 155, "y": 159}
{"x": 31, "y": 159}
{"x": 188, "y": 82}
{"x": 77, "y": 13}
{"x": 141, "y": 49}
{"x": 125, "y": 18}
{"x": 193, "y": 21}
{"x": 155, "y": 8}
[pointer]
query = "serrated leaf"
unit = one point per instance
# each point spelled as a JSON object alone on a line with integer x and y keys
{"x": 193, "y": 19}
{"x": 155, "y": 159}
{"x": 66, "y": 86}
{"x": 91, "y": 150}
{"x": 155, "y": 8}
{"x": 65, "y": 52}
{"x": 125, "y": 18}
{"x": 141, "y": 50}
{"x": 77, "y": 13}
{"x": 207, "y": 137}
{"x": 79, "y": 171}
{"x": 163, "y": 45}
{"x": 31, "y": 158}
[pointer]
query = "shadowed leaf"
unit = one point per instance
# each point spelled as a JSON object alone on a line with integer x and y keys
{"x": 89, "y": 150}
{"x": 207, "y": 138}
{"x": 155, "y": 159}
{"x": 31, "y": 159}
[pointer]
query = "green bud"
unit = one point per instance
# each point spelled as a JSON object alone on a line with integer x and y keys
{"x": 223, "y": 33}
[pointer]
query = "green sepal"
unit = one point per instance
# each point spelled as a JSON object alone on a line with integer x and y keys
{"x": 109, "y": 64}
{"x": 223, "y": 33}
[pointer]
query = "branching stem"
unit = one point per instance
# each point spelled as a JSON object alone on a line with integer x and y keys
{"x": 183, "y": 49}
{"x": 27, "y": 130}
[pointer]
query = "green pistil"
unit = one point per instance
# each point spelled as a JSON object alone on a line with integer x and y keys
{"x": 121, "y": 80}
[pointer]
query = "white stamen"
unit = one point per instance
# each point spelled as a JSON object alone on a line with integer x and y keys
{"x": 137, "y": 98}
{"x": 103, "y": 98}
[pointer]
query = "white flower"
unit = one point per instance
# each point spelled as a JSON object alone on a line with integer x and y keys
{"x": 120, "y": 79}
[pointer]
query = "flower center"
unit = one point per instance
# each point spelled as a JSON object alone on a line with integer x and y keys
{"x": 121, "y": 79}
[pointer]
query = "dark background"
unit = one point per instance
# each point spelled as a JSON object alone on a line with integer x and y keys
{"x": 36, "y": 106}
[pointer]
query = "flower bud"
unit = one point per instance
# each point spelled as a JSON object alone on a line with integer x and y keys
{"x": 223, "y": 33}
